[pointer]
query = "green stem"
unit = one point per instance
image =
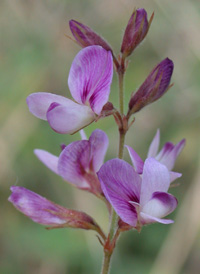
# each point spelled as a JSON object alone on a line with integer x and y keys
{"x": 106, "y": 263}
{"x": 112, "y": 236}
{"x": 121, "y": 91}
{"x": 121, "y": 144}
{"x": 121, "y": 71}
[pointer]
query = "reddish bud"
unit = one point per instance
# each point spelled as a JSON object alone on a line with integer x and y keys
{"x": 135, "y": 32}
{"x": 108, "y": 109}
{"x": 85, "y": 36}
{"x": 155, "y": 85}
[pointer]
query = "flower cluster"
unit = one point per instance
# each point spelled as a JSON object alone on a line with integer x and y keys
{"x": 138, "y": 193}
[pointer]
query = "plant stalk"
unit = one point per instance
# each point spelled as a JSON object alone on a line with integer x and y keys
{"x": 113, "y": 234}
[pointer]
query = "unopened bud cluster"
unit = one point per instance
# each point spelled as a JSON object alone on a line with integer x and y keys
{"x": 158, "y": 81}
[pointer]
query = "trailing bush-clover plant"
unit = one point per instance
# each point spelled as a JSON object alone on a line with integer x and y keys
{"x": 135, "y": 195}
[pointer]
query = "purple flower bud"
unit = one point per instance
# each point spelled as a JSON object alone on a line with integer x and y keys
{"x": 155, "y": 85}
{"x": 45, "y": 212}
{"x": 85, "y": 36}
{"x": 135, "y": 32}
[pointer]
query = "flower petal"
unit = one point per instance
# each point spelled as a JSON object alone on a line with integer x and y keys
{"x": 90, "y": 77}
{"x": 153, "y": 148}
{"x": 39, "y": 103}
{"x": 121, "y": 184}
{"x": 147, "y": 219}
{"x": 48, "y": 159}
{"x": 156, "y": 177}
{"x": 36, "y": 207}
{"x": 69, "y": 119}
{"x": 160, "y": 205}
{"x": 136, "y": 160}
{"x": 99, "y": 145}
{"x": 168, "y": 154}
{"x": 174, "y": 176}
{"x": 74, "y": 162}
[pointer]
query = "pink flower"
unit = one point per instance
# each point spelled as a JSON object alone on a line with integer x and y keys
{"x": 89, "y": 82}
{"x": 79, "y": 161}
{"x": 138, "y": 200}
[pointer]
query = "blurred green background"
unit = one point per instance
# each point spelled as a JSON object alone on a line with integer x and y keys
{"x": 36, "y": 56}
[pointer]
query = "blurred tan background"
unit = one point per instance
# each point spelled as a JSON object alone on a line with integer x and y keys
{"x": 36, "y": 56}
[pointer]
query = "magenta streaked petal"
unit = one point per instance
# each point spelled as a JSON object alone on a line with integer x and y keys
{"x": 90, "y": 77}
{"x": 160, "y": 205}
{"x": 48, "y": 159}
{"x": 153, "y": 148}
{"x": 36, "y": 207}
{"x": 136, "y": 160}
{"x": 156, "y": 177}
{"x": 73, "y": 162}
{"x": 147, "y": 219}
{"x": 69, "y": 119}
{"x": 174, "y": 176}
{"x": 168, "y": 154}
{"x": 119, "y": 177}
{"x": 125, "y": 210}
{"x": 39, "y": 103}
{"x": 99, "y": 145}
{"x": 121, "y": 184}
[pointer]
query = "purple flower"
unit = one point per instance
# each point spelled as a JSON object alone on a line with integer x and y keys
{"x": 85, "y": 36}
{"x": 135, "y": 32}
{"x": 79, "y": 161}
{"x": 167, "y": 155}
{"x": 155, "y": 85}
{"x": 45, "y": 212}
{"x": 138, "y": 200}
{"x": 89, "y": 82}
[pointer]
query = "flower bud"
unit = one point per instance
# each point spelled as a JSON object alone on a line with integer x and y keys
{"x": 45, "y": 212}
{"x": 108, "y": 109}
{"x": 155, "y": 85}
{"x": 85, "y": 36}
{"x": 135, "y": 32}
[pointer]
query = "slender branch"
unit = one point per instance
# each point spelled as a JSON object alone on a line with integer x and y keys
{"x": 100, "y": 231}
